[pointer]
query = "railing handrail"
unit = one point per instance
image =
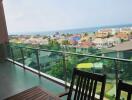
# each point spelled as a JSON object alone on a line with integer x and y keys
{"x": 64, "y": 55}
{"x": 62, "y": 52}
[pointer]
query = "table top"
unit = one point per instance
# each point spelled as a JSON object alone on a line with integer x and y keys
{"x": 35, "y": 93}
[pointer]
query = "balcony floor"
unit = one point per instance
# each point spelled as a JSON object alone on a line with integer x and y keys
{"x": 14, "y": 79}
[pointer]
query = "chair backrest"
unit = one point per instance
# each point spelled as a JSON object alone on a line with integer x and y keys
{"x": 85, "y": 84}
{"x": 124, "y": 87}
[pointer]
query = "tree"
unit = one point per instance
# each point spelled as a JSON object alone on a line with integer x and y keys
{"x": 65, "y": 42}
{"x": 54, "y": 45}
{"x": 57, "y": 71}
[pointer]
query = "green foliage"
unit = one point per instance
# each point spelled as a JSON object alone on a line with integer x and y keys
{"x": 65, "y": 42}
{"x": 54, "y": 45}
{"x": 90, "y": 60}
{"x": 125, "y": 70}
{"x": 44, "y": 46}
{"x": 92, "y": 50}
{"x": 17, "y": 53}
{"x": 57, "y": 71}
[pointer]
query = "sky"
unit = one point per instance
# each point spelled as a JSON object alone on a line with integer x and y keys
{"x": 49, "y": 15}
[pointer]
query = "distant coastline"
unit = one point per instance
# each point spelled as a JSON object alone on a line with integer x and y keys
{"x": 70, "y": 31}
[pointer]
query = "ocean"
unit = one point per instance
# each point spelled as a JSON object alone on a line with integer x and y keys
{"x": 70, "y": 31}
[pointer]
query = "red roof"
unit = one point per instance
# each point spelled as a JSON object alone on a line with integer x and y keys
{"x": 86, "y": 44}
{"x": 122, "y": 35}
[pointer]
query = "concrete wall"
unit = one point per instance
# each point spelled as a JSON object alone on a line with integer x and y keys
{"x": 3, "y": 32}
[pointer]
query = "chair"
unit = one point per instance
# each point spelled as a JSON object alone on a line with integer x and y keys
{"x": 123, "y": 87}
{"x": 84, "y": 84}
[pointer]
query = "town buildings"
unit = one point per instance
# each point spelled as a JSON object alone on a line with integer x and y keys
{"x": 103, "y": 38}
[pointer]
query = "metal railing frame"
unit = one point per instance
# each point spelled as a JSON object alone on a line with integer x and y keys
{"x": 116, "y": 60}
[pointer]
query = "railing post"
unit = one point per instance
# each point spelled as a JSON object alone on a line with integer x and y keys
{"x": 12, "y": 54}
{"x": 116, "y": 73}
{"x": 104, "y": 72}
{"x": 8, "y": 51}
{"x": 65, "y": 70}
{"x": 23, "y": 59}
{"x": 38, "y": 64}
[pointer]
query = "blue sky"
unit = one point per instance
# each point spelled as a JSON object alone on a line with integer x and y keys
{"x": 48, "y": 15}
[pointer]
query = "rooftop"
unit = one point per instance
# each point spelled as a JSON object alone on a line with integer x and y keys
{"x": 125, "y": 46}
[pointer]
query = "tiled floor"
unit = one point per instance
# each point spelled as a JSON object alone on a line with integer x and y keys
{"x": 14, "y": 79}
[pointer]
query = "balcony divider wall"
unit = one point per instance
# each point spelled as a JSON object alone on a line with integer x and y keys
{"x": 3, "y": 32}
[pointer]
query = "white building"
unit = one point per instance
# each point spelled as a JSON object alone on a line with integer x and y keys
{"x": 113, "y": 40}
{"x": 107, "y": 42}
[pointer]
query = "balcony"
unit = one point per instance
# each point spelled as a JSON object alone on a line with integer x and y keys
{"x": 27, "y": 67}
{"x": 15, "y": 79}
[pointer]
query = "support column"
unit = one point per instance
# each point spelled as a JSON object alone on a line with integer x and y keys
{"x": 3, "y": 32}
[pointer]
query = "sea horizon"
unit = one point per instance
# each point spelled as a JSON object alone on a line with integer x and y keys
{"x": 70, "y": 31}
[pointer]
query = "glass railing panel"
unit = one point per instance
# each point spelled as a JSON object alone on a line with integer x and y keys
{"x": 30, "y": 58}
{"x": 125, "y": 74}
{"x": 16, "y": 54}
{"x": 95, "y": 65}
{"x": 118, "y": 54}
{"x": 75, "y": 61}
{"x": 61, "y": 64}
{"x": 103, "y": 66}
{"x": 71, "y": 62}
{"x": 108, "y": 68}
{"x": 125, "y": 71}
{"x": 52, "y": 63}
{"x": 8, "y": 51}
